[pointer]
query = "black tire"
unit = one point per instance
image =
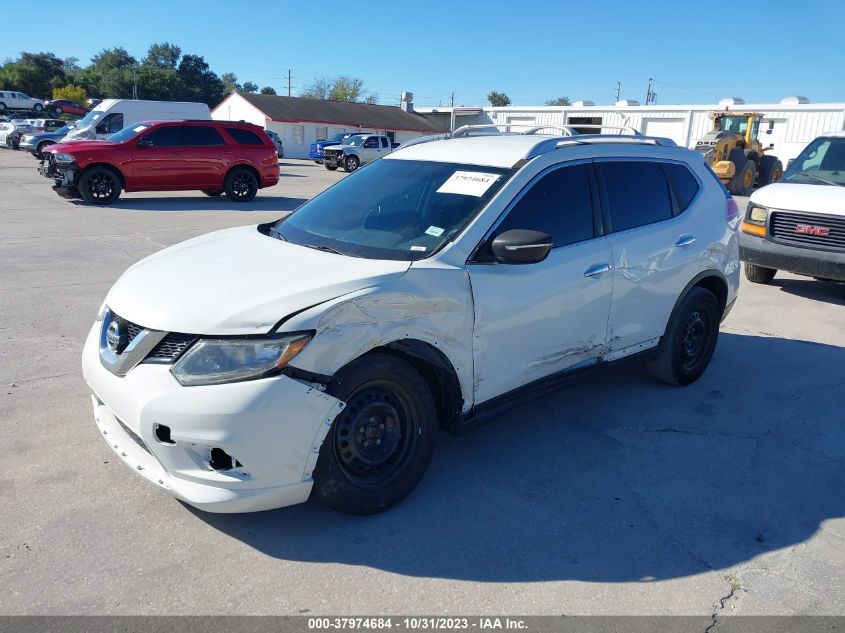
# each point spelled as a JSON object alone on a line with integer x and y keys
{"x": 380, "y": 445}
{"x": 770, "y": 170}
{"x": 2, "y": 107}
{"x": 57, "y": 110}
{"x": 330, "y": 167}
{"x": 213, "y": 192}
{"x": 743, "y": 180}
{"x": 38, "y": 107}
{"x": 689, "y": 341}
{"x": 351, "y": 163}
{"x": 39, "y": 151}
{"x": 99, "y": 185}
{"x": 759, "y": 274}
{"x": 241, "y": 185}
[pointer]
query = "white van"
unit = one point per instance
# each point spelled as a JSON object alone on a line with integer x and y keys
{"x": 112, "y": 115}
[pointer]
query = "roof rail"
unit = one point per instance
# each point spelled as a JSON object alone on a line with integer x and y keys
{"x": 423, "y": 139}
{"x": 587, "y": 139}
{"x": 567, "y": 130}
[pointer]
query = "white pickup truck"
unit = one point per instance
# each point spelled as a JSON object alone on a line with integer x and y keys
{"x": 357, "y": 150}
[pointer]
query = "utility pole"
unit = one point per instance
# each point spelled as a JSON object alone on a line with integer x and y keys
{"x": 618, "y": 90}
{"x": 135, "y": 82}
{"x": 650, "y": 95}
{"x": 289, "y": 78}
{"x": 452, "y": 97}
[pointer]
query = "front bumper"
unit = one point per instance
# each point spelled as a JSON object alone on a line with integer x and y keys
{"x": 802, "y": 261}
{"x": 273, "y": 427}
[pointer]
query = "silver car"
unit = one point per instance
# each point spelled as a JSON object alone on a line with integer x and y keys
{"x": 277, "y": 141}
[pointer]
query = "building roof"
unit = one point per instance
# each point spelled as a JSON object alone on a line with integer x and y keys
{"x": 365, "y": 115}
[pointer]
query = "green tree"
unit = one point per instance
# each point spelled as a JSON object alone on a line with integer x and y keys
{"x": 250, "y": 86}
{"x": 163, "y": 55}
{"x": 498, "y": 99}
{"x": 560, "y": 101}
{"x": 198, "y": 82}
{"x": 267, "y": 90}
{"x": 346, "y": 88}
{"x": 36, "y": 74}
{"x": 317, "y": 89}
{"x": 230, "y": 82}
{"x": 72, "y": 93}
{"x": 115, "y": 72}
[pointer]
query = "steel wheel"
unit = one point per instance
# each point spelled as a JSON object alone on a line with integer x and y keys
{"x": 693, "y": 340}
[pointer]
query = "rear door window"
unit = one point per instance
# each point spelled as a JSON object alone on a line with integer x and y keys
{"x": 683, "y": 182}
{"x": 200, "y": 136}
{"x": 636, "y": 193}
{"x": 244, "y": 137}
{"x": 559, "y": 204}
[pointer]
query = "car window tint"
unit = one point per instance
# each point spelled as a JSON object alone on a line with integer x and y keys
{"x": 558, "y": 204}
{"x": 637, "y": 193}
{"x": 684, "y": 183}
{"x": 244, "y": 137}
{"x": 371, "y": 142}
{"x": 201, "y": 136}
{"x": 114, "y": 123}
{"x": 165, "y": 136}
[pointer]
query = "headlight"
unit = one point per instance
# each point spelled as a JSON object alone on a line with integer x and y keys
{"x": 63, "y": 158}
{"x": 216, "y": 361}
{"x": 757, "y": 214}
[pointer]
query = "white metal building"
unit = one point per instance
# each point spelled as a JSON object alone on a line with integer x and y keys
{"x": 788, "y": 125}
{"x": 300, "y": 122}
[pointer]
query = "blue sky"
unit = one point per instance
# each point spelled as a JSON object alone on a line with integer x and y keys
{"x": 533, "y": 51}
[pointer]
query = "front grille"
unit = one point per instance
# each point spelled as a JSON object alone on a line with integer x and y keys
{"x": 783, "y": 229}
{"x": 171, "y": 347}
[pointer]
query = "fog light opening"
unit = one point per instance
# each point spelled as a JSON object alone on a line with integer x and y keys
{"x": 221, "y": 460}
{"x": 162, "y": 433}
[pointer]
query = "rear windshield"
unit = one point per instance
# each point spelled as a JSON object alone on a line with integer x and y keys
{"x": 394, "y": 209}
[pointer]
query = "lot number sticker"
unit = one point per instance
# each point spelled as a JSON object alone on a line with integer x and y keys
{"x": 468, "y": 183}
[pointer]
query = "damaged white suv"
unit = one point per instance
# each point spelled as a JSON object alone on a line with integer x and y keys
{"x": 253, "y": 367}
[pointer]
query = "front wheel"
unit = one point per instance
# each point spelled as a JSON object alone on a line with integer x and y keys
{"x": 689, "y": 341}
{"x": 39, "y": 151}
{"x": 38, "y": 107}
{"x": 331, "y": 167}
{"x": 743, "y": 180}
{"x": 241, "y": 185}
{"x": 771, "y": 169}
{"x": 380, "y": 445}
{"x": 99, "y": 185}
{"x": 351, "y": 163}
{"x": 759, "y": 274}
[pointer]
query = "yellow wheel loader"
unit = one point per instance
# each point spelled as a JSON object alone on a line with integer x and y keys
{"x": 735, "y": 153}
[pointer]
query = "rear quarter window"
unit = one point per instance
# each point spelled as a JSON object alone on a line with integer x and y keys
{"x": 244, "y": 137}
{"x": 683, "y": 182}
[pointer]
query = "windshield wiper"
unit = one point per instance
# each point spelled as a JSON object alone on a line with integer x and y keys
{"x": 325, "y": 249}
{"x": 807, "y": 174}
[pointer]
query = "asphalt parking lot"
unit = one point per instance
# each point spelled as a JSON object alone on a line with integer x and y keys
{"x": 614, "y": 495}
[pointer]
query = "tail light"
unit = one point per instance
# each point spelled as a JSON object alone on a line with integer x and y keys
{"x": 732, "y": 213}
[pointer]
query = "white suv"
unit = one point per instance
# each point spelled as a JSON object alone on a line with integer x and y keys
{"x": 245, "y": 368}
{"x": 10, "y": 100}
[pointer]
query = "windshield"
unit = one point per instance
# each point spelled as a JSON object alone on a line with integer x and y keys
{"x": 394, "y": 209}
{"x": 89, "y": 118}
{"x": 355, "y": 141}
{"x": 821, "y": 162}
{"x": 338, "y": 137}
{"x": 127, "y": 133}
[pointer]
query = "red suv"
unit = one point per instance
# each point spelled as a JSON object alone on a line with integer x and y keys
{"x": 213, "y": 156}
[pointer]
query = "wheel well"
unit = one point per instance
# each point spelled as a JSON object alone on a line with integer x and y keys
{"x": 436, "y": 370}
{"x": 718, "y": 287}
{"x": 107, "y": 166}
{"x": 249, "y": 168}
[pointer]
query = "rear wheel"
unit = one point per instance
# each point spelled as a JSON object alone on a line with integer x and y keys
{"x": 351, "y": 163}
{"x": 759, "y": 274}
{"x": 743, "y": 180}
{"x": 241, "y": 185}
{"x": 689, "y": 341}
{"x": 99, "y": 185}
{"x": 212, "y": 192}
{"x": 380, "y": 445}
{"x": 771, "y": 169}
{"x": 57, "y": 110}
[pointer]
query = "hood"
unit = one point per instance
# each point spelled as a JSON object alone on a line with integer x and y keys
{"x": 340, "y": 147}
{"x": 820, "y": 198}
{"x": 37, "y": 136}
{"x": 75, "y": 146}
{"x": 238, "y": 281}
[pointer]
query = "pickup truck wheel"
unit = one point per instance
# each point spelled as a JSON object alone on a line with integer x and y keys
{"x": 380, "y": 445}
{"x": 241, "y": 185}
{"x": 212, "y": 192}
{"x": 99, "y": 185}
{"x": 689, "y": 341}
{"x": 330, "y": 167}
{"x": 759, "y": 274}
{"x": 351, "y": 163}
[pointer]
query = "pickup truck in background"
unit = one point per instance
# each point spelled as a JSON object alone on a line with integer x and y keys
{"x": 358, "y": 150}
{"x": 316, "y": 151}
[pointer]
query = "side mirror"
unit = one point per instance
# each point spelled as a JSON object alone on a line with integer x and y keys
{"x": 145, "y": 142}
{"x": 520, "y": 246}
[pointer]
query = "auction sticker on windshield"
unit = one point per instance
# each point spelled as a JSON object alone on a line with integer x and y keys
{"x": 469, "y": 183}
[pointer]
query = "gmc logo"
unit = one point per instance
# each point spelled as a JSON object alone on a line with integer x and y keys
{"x": 807, "y": 229}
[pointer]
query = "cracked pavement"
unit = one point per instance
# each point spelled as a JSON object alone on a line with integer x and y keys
{"x": 614, "y": 495}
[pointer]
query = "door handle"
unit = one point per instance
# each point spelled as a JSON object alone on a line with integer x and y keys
{"x": 685, "y": 240}
{"x": 596, "y": 269}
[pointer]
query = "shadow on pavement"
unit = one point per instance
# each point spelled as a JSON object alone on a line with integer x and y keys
{"x": 203, "y": 203}
{"x": 825, "y": 291}
{"x": 614, "y": 478}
